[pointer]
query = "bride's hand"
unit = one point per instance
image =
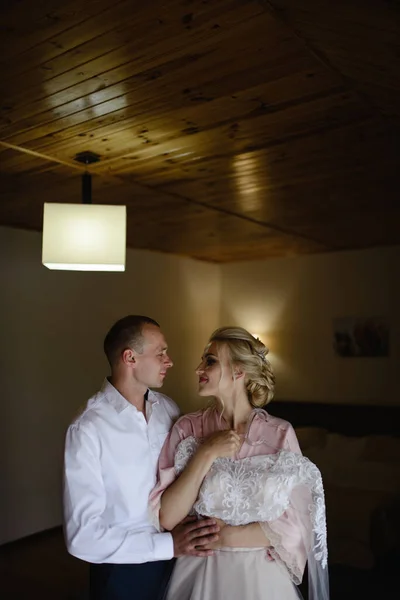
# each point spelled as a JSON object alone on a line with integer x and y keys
{"x": 222, "y": 444}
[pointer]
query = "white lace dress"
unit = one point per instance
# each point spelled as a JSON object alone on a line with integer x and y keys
{"x": 280, "y": 490}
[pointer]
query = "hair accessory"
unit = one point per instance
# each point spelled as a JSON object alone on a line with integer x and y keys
{"x": 262, "y": 354}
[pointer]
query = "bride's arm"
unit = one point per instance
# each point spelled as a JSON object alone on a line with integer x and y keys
{"x": 178, "y": 499}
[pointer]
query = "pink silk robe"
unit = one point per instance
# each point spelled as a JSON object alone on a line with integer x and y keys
{"x": 274, "y": 434}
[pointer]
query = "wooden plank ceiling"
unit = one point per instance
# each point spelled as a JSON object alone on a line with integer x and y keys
{"x": 232, "y": 129}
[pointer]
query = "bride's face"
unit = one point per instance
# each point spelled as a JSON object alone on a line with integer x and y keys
{"x": 215, "y": 372}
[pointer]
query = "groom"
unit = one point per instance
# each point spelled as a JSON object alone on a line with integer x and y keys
{"x": 111, "y": 455}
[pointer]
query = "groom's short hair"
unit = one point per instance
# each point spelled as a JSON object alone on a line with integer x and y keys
{"x": 126, "y": 333}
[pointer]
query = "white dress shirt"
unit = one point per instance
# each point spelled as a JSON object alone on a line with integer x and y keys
{"x": 110, "y": 464}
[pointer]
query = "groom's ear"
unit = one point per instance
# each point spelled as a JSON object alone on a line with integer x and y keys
{"x": 128, "y": 356}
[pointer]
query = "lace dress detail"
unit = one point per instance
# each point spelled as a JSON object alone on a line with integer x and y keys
{"x": 260, "y": 489}
{"x": 184, "y": 452}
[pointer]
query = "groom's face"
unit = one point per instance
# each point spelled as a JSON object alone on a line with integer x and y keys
{"x": 152, "y": 364}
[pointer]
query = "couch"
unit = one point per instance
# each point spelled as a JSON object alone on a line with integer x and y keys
{"x": 357, "y": 449}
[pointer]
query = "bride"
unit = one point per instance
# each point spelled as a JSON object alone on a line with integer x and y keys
{"x": 236, "y": 463}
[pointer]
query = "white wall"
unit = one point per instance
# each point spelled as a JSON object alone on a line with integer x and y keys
{"x": 291, "y": 302}
{"x": 51, "y": 360}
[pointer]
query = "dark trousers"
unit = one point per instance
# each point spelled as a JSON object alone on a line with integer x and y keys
{"x": 147, "y": 581}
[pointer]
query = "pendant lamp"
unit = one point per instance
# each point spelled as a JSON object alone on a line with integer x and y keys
{"x": 84, "y": 237}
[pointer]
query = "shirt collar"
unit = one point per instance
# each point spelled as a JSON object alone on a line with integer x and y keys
{"x": 119, "y": 402}
{"x": 152, "y": 397}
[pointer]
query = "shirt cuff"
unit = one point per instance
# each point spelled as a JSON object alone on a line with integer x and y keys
{"x": 163, "y": 546}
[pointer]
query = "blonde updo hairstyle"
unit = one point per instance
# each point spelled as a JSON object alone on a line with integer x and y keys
{"x": 249, "y": 354}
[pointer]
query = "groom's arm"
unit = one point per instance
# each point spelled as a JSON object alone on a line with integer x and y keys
{"x": 88, "y": 536}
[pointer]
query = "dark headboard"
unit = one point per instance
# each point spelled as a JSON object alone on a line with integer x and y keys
{"x": 347, "y": 419}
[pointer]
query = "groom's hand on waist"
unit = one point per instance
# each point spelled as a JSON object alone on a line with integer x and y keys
{"x": 192, "y": 534}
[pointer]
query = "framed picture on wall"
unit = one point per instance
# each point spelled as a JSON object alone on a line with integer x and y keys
{"x": 361, "y": 337}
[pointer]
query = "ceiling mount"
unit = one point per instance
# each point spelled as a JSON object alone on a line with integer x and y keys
{"x": 87, "y": 157}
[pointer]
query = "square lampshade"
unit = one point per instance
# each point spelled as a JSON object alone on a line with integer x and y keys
{"x": 84, "y": 237}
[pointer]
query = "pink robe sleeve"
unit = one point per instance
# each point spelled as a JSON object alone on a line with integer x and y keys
{"x": 182, "y": 429}
{"x": 288, "y": 534}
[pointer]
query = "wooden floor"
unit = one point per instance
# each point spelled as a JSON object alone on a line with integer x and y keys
{"x": 40, "y": 567}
